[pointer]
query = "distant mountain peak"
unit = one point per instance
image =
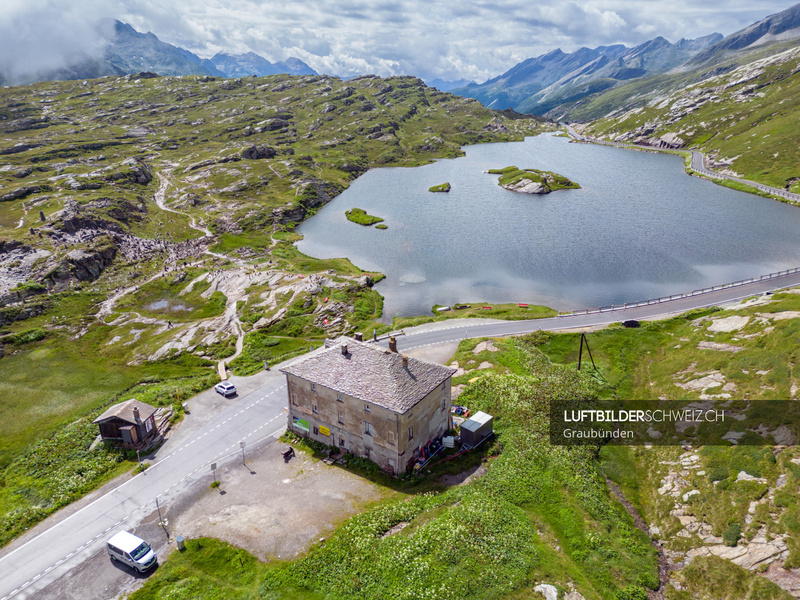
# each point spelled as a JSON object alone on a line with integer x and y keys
{"x": 242, "y": 65}
{"x": 129, "y": 51}
{"x": 784, "y": 25}
{"x": 538, "y": 84}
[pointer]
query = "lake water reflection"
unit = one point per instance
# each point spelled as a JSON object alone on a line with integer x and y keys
{"x": 639, "y": 228}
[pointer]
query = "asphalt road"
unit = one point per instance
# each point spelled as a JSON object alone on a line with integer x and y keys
{"x": 698, "y": 164}
{"x": 257, "y": 418}
{"x": 455, "y": 330}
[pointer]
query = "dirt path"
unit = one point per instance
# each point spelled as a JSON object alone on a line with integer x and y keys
{"x": 160, "y": 200}
{"x": 230, "y": 318}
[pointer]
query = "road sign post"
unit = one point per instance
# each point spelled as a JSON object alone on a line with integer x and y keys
{"x": 241, "y": 445}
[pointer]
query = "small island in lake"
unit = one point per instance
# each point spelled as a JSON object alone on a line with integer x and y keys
{"x": 360, "y": 216}
{"x": 532, "y": 181}
{"x": 444, "y": 187}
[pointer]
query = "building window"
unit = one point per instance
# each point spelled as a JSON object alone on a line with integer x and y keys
{"x": 339, "y": 398}
{"x": 411, "y": 433}
{"x": 316, "y": 410}
{"x": 341, "y": 417}
{"x": 313, "y": 387}
{"x": 366, "y": 452}
{"x": 366, "y": 408}
{"x": 341, "y": 442}
{"x": 316, "y": 430}
{"x": 367, "y": 428}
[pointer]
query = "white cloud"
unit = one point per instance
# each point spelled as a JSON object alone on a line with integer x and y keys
{"x": 38, "y": 36}
{"x": 475, "y": 39}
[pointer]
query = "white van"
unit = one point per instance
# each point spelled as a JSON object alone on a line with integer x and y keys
{"x": 131, "y": 550}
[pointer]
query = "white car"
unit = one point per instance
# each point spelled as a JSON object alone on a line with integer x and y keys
{"x": 132, "y": 551}
{"x": 226, "y": 388}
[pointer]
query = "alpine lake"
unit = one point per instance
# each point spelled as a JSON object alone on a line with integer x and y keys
{"x": 638, "y": 228}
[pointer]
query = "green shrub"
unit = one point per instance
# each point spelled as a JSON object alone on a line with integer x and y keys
{"x": 730, "y": 536}
{"x": 26, "y": 337}
{"x": 631, "y": 592}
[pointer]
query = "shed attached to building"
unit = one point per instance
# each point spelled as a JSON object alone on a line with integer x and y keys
{"x": 476, "y": 429}
{"x": 129, "y": 422}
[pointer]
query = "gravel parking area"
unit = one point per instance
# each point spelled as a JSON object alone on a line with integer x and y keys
{"x": 274, "y": 508}
{"x": 268, "y": 506}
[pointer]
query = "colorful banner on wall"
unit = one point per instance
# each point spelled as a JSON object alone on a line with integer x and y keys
{"x": 300, "y": 424}
{"x": 324, "y": 430}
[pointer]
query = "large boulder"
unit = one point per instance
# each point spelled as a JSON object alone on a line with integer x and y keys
{"x": 20, "y": 193}
{"x": 134, "y": 170}
{"x": 256, "y": 152}
{"x": 527, "y": 186}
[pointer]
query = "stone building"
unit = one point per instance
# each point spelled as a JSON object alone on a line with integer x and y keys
{"x": 369, "y": 401}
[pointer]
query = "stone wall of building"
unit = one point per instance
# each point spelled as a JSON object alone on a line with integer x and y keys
{"x": 366, "y": 429}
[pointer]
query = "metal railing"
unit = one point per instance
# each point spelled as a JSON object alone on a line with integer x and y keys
{"x": 768, "y": 189}
{"x": 714, "y": 288}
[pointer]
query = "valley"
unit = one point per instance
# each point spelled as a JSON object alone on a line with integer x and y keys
{"x": 163, "y": 226}
{"x": 147, "y": 229}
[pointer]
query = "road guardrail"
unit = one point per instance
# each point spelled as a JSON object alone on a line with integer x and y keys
{"x": 713, "y": 288}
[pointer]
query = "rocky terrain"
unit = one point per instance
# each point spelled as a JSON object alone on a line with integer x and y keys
{"x": 532, "y": 181}
{"x": 109, "y": 182}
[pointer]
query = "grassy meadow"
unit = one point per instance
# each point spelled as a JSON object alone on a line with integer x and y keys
{"x": 541, "y": 513}
{"x": 544, "y": 514}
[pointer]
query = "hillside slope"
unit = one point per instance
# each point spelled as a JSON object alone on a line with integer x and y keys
{"x": 742, "y": 113}
{"x": 105, "y": 184}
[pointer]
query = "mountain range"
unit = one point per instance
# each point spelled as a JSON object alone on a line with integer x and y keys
{"x": 129, "y": 51}
{"x": 242, "y": 65}
{"x": 738, "y": 102}
{"x": 554, "y": 83}
{"x": 536, "y": 85}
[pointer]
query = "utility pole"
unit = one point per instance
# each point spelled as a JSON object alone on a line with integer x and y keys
{"x": 161, "y": 519}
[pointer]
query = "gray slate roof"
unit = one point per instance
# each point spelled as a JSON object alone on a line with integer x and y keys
{"x": 371, "y": 373}
{"x": 124, "y": 411}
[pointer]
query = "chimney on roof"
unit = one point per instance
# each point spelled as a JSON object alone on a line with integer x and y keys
{"x": 392, "y": 344}
{"x": 136, "y": 413}
{"x": 405, "y": 361}
{"x": 359, "y": 337}
{"x": 344, "y": 349}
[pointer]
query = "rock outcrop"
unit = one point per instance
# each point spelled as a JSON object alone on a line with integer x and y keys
{"x": 256, "y": 152}
{"x": 527, "y": 186}
{"x": 81, "y": 265}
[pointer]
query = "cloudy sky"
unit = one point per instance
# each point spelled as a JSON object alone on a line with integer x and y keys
{"x": 448, "y": 39}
